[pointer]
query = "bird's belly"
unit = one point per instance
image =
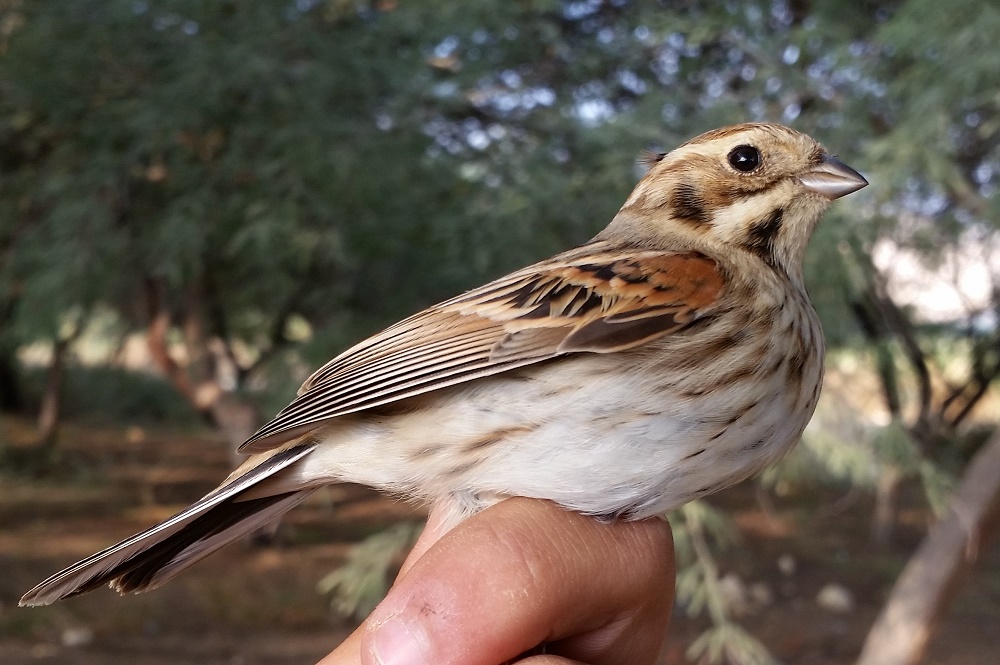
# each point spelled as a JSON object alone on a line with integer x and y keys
{"x": 599, "y": 442}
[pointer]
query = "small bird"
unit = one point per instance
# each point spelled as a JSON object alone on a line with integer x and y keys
{"x": 673, "y": 355}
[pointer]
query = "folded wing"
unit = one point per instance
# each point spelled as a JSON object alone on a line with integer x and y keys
{"x": 594, "y": 299}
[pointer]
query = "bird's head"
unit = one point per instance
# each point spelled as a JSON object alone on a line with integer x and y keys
{"x": 760, "y": 188}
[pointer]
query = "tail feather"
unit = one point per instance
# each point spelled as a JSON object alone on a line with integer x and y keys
{"x": 150, "y": 558}
{"x": 211, "y": 531}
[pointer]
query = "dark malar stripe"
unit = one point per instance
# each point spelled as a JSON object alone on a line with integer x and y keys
{"x": 761, "y": 236}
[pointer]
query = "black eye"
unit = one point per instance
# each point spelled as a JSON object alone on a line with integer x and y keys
{"x": 744, "y": 158}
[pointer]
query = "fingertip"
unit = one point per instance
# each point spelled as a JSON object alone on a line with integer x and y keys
{"x": 395, "y": 641}
{"x": 549, "y": 659}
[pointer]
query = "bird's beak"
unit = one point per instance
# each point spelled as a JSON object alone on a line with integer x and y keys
{"x": 833, "y": 179}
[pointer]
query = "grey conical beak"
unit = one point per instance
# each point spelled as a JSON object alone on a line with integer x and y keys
{"x": 833, "y": 179}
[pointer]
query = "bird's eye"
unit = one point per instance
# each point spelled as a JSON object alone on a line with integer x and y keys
{"x": 744, "y": 158}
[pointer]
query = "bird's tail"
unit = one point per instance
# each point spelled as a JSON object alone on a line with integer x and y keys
{"x": 150, "y": 558}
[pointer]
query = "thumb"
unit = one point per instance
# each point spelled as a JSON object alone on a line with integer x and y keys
{"x": 525, "y": 573}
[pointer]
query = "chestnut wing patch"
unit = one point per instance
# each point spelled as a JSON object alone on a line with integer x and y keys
{"x": 602, "y": 307}
{"x": 593, "y": 299}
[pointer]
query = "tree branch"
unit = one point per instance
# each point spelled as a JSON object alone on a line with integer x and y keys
{"x": 903, "y": 331}
{"x": 158, "y": 327}
{"x": 932, "y": 576}
{"x": 276, "y": 337}
{"x": 875, "y": 331}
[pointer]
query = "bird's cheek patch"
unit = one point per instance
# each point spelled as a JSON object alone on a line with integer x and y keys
{"x": 731, "y": 221}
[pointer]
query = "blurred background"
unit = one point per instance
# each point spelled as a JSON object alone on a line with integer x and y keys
{"x": 200, "y": 202}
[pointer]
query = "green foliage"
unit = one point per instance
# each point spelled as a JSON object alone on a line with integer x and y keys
{"x": 894, "y": 446}
{"x": 729, "y": 643}
{"x": 359, "y": 585}
{"x": 114, "y": 395}
{"x": 698, "y": 530}
{"x": 345, "y": 162}
{"x": 826, "y": 458}
{"x": 937, "y": 485}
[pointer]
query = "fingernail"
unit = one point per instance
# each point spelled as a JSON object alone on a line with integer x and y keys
{"x": 396, "y": 642}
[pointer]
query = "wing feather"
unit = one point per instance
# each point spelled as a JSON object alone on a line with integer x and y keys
{"x": 595, "y": 299}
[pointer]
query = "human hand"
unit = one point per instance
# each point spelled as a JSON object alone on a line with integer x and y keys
{"x": 518, "y": 575}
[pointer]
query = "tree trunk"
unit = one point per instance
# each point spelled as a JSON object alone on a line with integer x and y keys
{"x": 237, "y": 418}
{"x": 924, "y": 590}
{"x": 51, "y": 408}
{"x": 10, "y": 388}
{"x": 886, "y": 497}
{"x": 48, "y": 412}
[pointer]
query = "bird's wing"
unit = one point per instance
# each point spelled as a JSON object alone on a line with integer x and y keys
{"x": 594, "y": 299}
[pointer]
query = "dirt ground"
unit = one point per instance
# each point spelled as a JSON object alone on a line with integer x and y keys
{"x": 249, "y": 605}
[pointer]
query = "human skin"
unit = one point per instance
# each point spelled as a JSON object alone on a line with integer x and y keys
{"x": 517, "y": 575}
